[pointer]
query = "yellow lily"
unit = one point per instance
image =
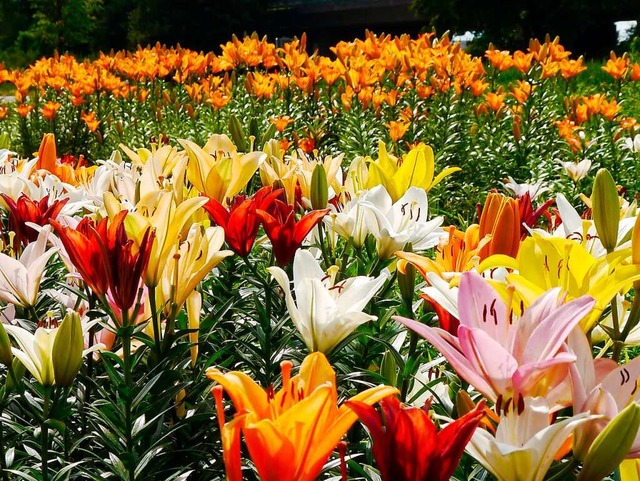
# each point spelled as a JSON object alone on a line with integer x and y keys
{"x": 160, "y": 169}
{"x": 196, "y": 256}
{"x": 169, "y": 221}
{"x": 276, "y": 169}
{"x": 545, "y": 263}
{"x": 416, "y": 168}
{"x": 217, "y": 169}
{"x": 630, "y": 470}
{"x": 289, "y": 433}
{"x": 332, "y": 169}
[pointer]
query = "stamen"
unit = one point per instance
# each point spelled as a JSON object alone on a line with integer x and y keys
{"x": 285, "y": 367}
{"x": 270, "y": 392}
{"x": 217, "y": 396}
{"x": 342, "y": 449}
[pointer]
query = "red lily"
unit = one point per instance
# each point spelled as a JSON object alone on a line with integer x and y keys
{"x": 240, "y": 222}
{"x": 446, "y": 320}
{"x": 408, "y": 448}
{"x": 285, "y": 233}
{"x": 27, "y": 210}
{"x": 529, "y": 215}
{"x": 106, "y": 258}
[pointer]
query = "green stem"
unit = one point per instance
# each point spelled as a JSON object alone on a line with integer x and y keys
{"x": 155, "y": 319}
{"x": 413, "y": 343}
{"x": 126, "y": 352}
{"x": 3, "y": 460}
{"x": 44, "y": 431}
{"x": 617, "y": 336}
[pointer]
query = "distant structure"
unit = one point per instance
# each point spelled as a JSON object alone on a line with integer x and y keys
{"x": 326, "y": 22}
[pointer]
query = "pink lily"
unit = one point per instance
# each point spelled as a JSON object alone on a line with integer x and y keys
{"x": 600, "y": 386}
{"x": 503, "y": 357}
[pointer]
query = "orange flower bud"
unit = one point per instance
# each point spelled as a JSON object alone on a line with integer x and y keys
{"x": 500, "y": 219}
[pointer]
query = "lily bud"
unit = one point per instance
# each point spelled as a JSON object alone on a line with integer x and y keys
{"x": 406, "y": 279}
{"x": 237, "y": 134}
{"x": 18, "y": 371}
{"x": 606, "y": 209}
{"x": 500, "y": 218}
{"x": 194, "y": 306}
{"x": 6, "y": 356}
{"x": 319, "y": 188}
{"x": 464, "y": 403}
{"x": 66, "y": 355}
{"x": 389, "y": 368}
{"x": 612, "y": 444}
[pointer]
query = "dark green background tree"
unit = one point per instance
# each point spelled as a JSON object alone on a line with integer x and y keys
{"x": 584, "y": 26}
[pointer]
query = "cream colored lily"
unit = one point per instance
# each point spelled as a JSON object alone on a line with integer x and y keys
{"x": 167, "y": 218}
{"x": 50, "y": 359}
{"x": 280, "y": 170}
{"x": 20, "y": 279}
{"x": 416, "y": 168}
{"x": 332, "y": 169}
{"x": 217, "y": 169}
{"x": 160, "y": 169}
{"x": 525, "y": 444}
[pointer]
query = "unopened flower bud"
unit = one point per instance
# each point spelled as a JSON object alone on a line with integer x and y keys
{"x": 14, "y": 377}
{"x": 67, "y": 349}
{"x": 606, "y": 209}
{"x": 612, "y": 444}
{"x": 319, "y": 188}
{"x": 6, "y": 357}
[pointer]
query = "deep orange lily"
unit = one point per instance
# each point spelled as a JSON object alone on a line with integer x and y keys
{"x": 500, "y": 218}
{"x": 27, "y": 210}
{"x": 290, "y": 433}
{"x": 286, "y": 234}
{"x": 406, "y": 445}
{"x": 106, "y": 258}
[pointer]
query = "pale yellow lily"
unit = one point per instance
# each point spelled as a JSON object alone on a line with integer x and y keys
{"x": 545, "y": 263}
{"x": 196, "y": 256}
{"x": 630, "y": 470}
{"x": 416, "y": 168}
{"x": 218, "y": 169}
{"x": 170, "y": 222}
{"x": 278, "y": 170}
{"x": 160, "y": 169}
{"x": 332, "y": 168}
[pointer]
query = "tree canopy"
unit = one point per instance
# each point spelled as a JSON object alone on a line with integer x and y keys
{"x": 584, "y": 26}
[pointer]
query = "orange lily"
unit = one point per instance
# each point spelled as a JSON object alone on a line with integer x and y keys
{"x": 500, "y": 218}
{"x": 456, "y": 253}
{"x": 290, "y": 433}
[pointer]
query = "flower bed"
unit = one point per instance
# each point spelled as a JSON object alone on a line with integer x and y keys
{"x": 257, "y": 305}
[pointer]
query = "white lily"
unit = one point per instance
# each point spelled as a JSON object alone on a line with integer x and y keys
{"x": 43, "y": 357}
{"x": 577, "y": 171}
{"x": 632, "y": 144}
{"x": 583, "y": 231}
{"x": 20, "y": 279}
{"x": 535, "y": 189}
{"x": 395, "y": 225}
{"x": 348, "y": 222}
{"x": 525, "y": 444}
{"x": 325, "y": 312}
{"x": 35, "y": 351}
